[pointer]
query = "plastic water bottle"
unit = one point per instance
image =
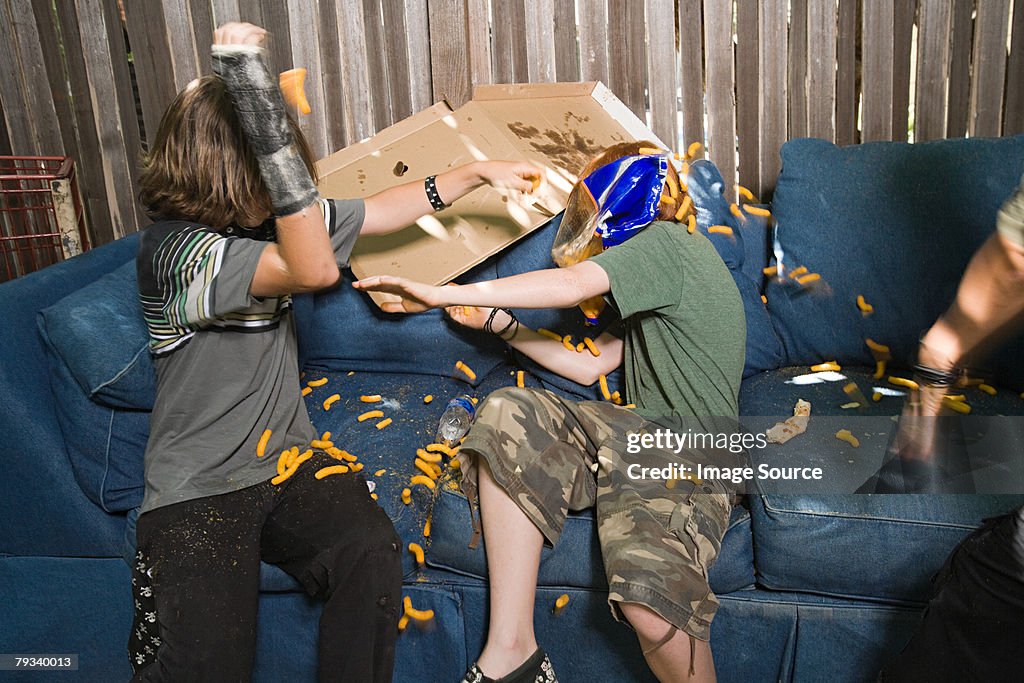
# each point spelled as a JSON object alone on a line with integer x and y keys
{"x": 456, "y": 420}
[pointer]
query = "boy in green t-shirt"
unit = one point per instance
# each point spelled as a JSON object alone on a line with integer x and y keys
{"x": 534, "y": 456}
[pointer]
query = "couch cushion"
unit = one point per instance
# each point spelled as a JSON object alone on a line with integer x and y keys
{"x": 342, "y": 329}
{"x": 98, "y": 332}
{"x": 894, "y": 222}
{"x": 105, "y": 445}
{"x": 870, "y": 547}
{"x": 576, "y": 558}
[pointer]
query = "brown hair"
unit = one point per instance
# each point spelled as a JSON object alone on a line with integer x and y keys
{"x": 200, "y": 168}
{"x": 575, "y": 240}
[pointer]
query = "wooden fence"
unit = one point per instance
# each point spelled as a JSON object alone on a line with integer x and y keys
{"x": 90, "y": 78}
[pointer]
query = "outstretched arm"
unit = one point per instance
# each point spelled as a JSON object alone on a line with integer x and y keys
{"x": 552, "y": 288}
{"x": 396, "y": 207}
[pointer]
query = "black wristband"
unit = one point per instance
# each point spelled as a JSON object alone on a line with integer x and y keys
{"x": 430, "y": 185}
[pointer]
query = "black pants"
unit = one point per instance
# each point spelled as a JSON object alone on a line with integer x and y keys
{"x": 196, "y": 578}
{"x": 973, "y": 628}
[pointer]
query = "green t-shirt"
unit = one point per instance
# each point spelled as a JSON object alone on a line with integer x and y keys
{"x": 683, "y": 322}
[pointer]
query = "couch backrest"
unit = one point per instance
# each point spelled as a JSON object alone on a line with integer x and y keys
{"x": 44, "y": 510}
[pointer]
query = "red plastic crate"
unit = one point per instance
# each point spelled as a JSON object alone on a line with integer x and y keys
{"x": 42, "y": 220}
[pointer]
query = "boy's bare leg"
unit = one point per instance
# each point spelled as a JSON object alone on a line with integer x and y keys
{"x": 670, "y": 661}
{"x": 513, "y": 545}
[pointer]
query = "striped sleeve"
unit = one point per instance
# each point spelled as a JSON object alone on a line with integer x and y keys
{"x": 344, "y": 220}
{"x": 203, "y": 276}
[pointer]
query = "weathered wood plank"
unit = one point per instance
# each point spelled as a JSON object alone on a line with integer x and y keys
{"x": 357, "y": 108}
{"x": 626, "y": 54}
{"x": 53, "y": 60}
{"x": 39, "y": 100}
{"x": 186, "y": 46}
{"x": 821, "y": 69}
{"x": 846, "y": 73}
{"x": 517, "y": 35}
{"x": 118, "y": 147}
{"x": 304, "y": 36}
{"x": 153, "y": 61}
{"x": 397, "y": 58}
{"x": 502, "y": 53}
{"x": 962, "y": 36}
{"x": 275, "y": 17}
{"x": 201, "y": 14}
{"x": 417, "y": 39}
{"x": 718, "y": 67}
{"x": 90, "y": 164}
{"x": 903, "y": 25}
{"x": 773, "y": 70}
{"x": 933, "y": 37}
{"x": 251, "y": 11}
{"x": 225, "y": 11}
{"x": 877, "y": 70}
{"x": 13, "y": 90}
{"x": 448, "y": 59}
{"x": 594, "y": 40}
{"x": 330, "y": 67}
{"x": 798, "y": 68}
{"x": 377, "y": 71}
{"x": 540, "y": 41}
{"x": 1013, "y": 111}
{"x": 566, "y": 56}
{"x": 661, "y": 70}
{"x": 478, "y": 16}
{"x": 988, "y": 66}
{"x": 748, "y": 90}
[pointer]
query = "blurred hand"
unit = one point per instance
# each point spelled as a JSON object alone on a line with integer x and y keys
{"x": 511, "y": 175}
{"x": 239, "y": 33}
{"x": 416, "y": 296}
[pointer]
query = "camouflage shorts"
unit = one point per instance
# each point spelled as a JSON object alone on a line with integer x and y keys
{"x": 553, "y": 456}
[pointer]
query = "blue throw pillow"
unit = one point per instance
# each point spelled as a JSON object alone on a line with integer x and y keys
{"x": 342, "y": 329}
{"x": 98, "y": 332}
{"x": 105, "y": 445}
{"x": 894, "y": 222}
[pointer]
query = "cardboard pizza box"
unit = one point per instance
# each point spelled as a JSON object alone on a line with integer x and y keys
{"x": 558, "y": 126}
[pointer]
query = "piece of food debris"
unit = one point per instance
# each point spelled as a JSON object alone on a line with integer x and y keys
{"x": 261, "y": 447}
{"x": 784, "y": 431}
{"x": 466, "y": 370}
{"x": 328, "y": 471}
{"x": 423, "y": 479}
{"x": 845, "y": 435}
{"x": 417, "y": 552}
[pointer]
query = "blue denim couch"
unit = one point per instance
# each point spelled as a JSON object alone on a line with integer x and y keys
{"x": 811, "y": 585}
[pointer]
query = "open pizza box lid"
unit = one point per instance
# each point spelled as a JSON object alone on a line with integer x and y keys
{"x": 558, "y": 126}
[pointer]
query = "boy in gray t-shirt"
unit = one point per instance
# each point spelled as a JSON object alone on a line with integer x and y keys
{"x": 216, "y": 296}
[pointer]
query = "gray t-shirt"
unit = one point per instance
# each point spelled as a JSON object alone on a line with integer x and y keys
{"x": 226, "y": 361}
